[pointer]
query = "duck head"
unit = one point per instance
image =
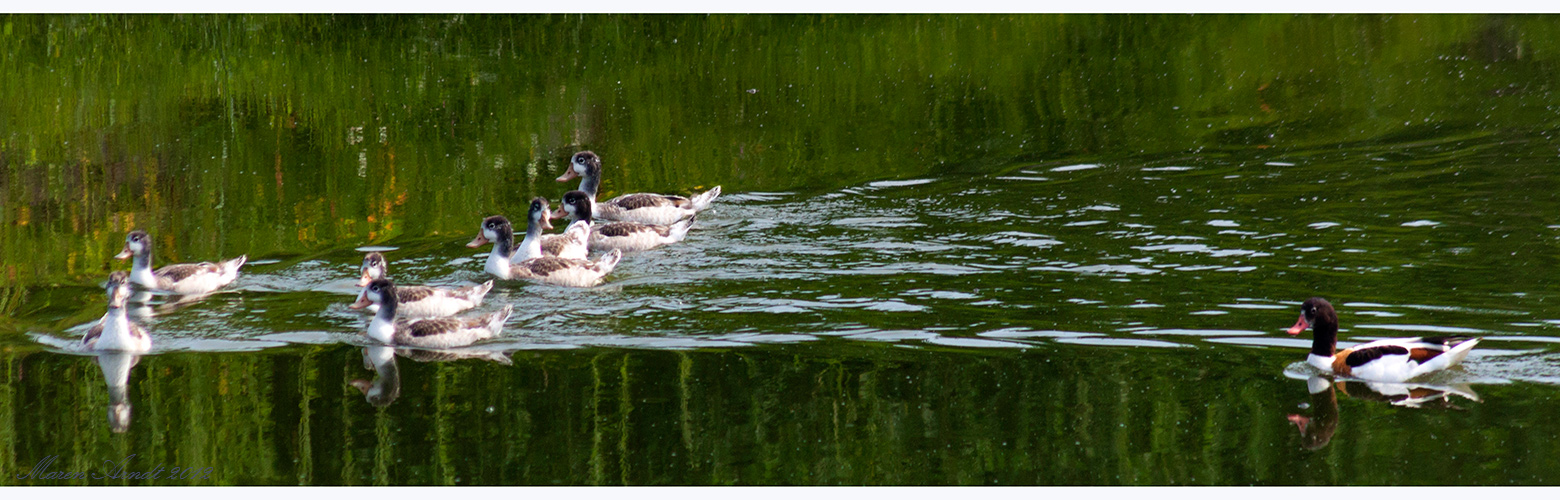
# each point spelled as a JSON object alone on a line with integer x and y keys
{"x": 373, "y": 268}
{"x": 136, "y": 243}
{"x": 118, "y": 289}
{"x": 495, "y": 229}
{"x": 1318, "y": 315}
{"x": 380, "y": 291}
{"x": 576, "y": 205}
{"x": 540, "y": 214}
{"x": 583, "y": 164}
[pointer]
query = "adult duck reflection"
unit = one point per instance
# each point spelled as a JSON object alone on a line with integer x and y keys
{"x": 116, "y": 367}
{"x": 1317, "y": 429}
{"x": 386, "y": 386}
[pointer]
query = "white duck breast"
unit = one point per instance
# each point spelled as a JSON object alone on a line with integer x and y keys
{"x": 115, "y": 331}
{"x": 572, "y": 244}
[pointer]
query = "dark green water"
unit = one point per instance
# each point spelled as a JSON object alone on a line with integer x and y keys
{"x": 953, "y": 249}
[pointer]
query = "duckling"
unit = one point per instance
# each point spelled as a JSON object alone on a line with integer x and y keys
{"x": 424, "y": 301}
{"x": 115, "y": 332}
{"x": 662, "y": 209}
{"x": 183, "y": 279}
{"x": 625, "y": 236}
{"x": 569, "y": 245}
{"x": 553, "y": 270}
{"x": 434, "y": 332}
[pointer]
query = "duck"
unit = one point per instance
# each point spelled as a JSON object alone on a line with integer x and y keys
{"x": 660, "y": 209}
{"x": 115, "y": 332}
{"x": 182, "y": 279}
{"x": 552, "y": 270}
{"x": 625, "y": 236}
{"x": 436, "y": 333}
{"x": 1387, "y": 360}
{"x": 569, "y": 245}
{"x": 423, "y": 301}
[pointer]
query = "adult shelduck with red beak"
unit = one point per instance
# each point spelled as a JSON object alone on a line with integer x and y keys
{"x": 1388, "y": 360}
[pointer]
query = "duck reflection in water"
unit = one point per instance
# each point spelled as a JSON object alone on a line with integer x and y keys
{"x": 116, "y": 367}
{"x": 1317, "y": 430}
{"x": 386, "y": 387}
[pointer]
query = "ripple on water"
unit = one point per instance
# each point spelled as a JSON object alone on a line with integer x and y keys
{"x": 976, "y": 343}
{"x": 1196, "y": 332}
{"x": 1115, "y": 342}
{"x": 1075, "y": 168}
{"x": 1454, "y": 330}
{"x": 908, "y": 182}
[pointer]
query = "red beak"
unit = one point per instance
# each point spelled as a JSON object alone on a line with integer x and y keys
{"x": 479, "y": 241}
{"x": 568, "y": 174}
{"x": 1300, "y": 326}
{"x": 1300, "y": 421}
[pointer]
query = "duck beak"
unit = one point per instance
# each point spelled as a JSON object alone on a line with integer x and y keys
{"x": 568, "y": 174}
{"x": 125, "y": 254}
{"x": 366, "y": 279}
{"x": 477, "y": 242}
{"x": 362, "y": 301}
{"x": 1300, "y": 421}
{"x": 547, "y": 221}
{"x": 362, "y": 385}
{"x": 1300, "y": 326}
{"x": 560, "y": 214}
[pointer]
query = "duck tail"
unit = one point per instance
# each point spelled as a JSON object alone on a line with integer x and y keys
{"x": 1450, "y": 358}
{"x": 609, "y": 261}
{"x": 679, "y": 230}
{"x": 230, "y": 267}
{"x": 476, "y": 292}
{"x": 703, "y": 201}
{"x": 496, "y": 324}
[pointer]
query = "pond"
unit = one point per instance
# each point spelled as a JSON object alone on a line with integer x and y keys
{"x": 1005, "y": 250}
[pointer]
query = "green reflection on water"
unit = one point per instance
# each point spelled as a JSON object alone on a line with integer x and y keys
{"x": 297, "y": 138}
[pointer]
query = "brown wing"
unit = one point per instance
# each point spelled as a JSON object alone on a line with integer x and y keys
{"x": 543, "y": 266}
{"x": 430, "y": 327}
{"x": 551, "y": 246}
{"x": 1345, "y": 362}
{"x": 646, "y": 200}
{"x": 1423, "y": 355}
{"x": 178, "y": 272}
{"x": 93, "y": 334}
{"x": 406, "y": 294}
{"x": 620, "y": 229}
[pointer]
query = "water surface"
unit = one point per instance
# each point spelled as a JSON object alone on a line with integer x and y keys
{"x": 953, "y": 249}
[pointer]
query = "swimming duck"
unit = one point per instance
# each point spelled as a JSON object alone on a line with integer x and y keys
{"x": 1387, "y": 360}
{"x": 183, "y": 279}
{"x": 115, "y": 332}
{"x": 569, "y": 245}
{"x": 553, "y": 270}
{"x": 662, "y": 209}
{"x": 384, "y": 389}
{"x": 433, "y": 332}
{"x": 424, "y": 301}
{"x": 625, "y": 236}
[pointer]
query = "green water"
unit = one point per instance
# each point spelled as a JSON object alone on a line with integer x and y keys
{"x": 952, "y": 249}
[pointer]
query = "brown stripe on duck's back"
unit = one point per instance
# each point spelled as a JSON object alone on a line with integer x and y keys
{"x": 412, "y": 293}
{"x": 642, "y": 200}
{"x": 428, "y": 327}
{"x": 1345, "y": 361}
{"x": 619, "y": 229}
{"x": 1423, "y": 355}
{"x": 178, "y": 272}
{"x": 546, "y": 265}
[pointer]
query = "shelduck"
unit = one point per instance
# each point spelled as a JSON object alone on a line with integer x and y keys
{"x": 647, "y": 208}
{"x": 433, "y": 332}
{"x": 552, "y": 270}
{"x": 183, "y": 279}
{"x": 115, "y": 332}
{"x": 1387, "y": 360}
{"x": 624, "y": 236}
{"x": 423, "y": 301}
